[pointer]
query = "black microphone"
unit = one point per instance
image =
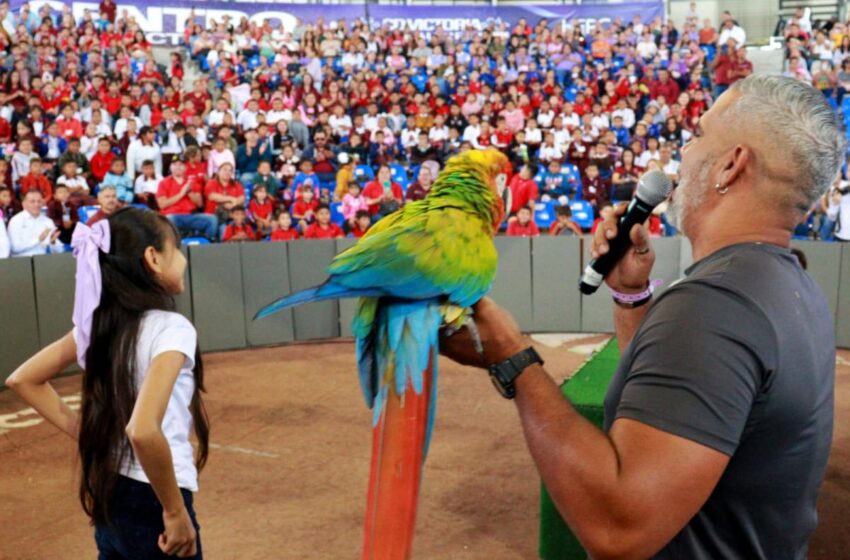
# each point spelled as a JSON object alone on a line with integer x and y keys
{"x": 653, "y": 188}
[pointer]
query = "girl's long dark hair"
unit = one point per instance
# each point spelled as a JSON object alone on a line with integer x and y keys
{"x": 109, "y": 380}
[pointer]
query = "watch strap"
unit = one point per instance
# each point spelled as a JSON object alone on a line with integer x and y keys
{"x": 505, "y": 373}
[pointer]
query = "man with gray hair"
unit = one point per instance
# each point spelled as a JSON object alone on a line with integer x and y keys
{"x": 718, "y": 421}
{"x": 107, "y": 199}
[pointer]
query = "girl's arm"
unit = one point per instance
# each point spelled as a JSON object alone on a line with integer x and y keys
{"x": 145, "y": 429}
{"x": 30, "y": 381}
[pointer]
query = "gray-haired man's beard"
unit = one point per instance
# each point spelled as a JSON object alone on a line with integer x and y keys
{"x": 689, "y": 195}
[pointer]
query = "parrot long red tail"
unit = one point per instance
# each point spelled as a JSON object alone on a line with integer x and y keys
{"x": 399, "y": 439}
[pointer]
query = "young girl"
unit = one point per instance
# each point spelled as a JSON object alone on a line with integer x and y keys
{"x": 261, "y": 210}
{"x": 141, "y": 388}
{"x": 147, "y": 183}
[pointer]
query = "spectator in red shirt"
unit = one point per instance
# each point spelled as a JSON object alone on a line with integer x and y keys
{"x": 102, "y": 160}
{"x": 665, "y": 86}
{"x": 223, "y": 193}
{"x": 723, "y": 67}
{"x": 304, "y": 208}
{"x": 523, "y": 189}
{"x": 602, "y": 214}
{"x": 261, "y": 209}
{"x": 523, "y": 225}
{"x": 200, "y": 98}
{"x": 362, "y": 222}
{"x": 238, "y": 229}
{"x": 69, "y": 126}
{"x": 741, "y": 67}
{"x": 108, "y": 8}
{"x": 323, "y": 228}
{"x": 112, "y": 98}
{"x": 284, "y": 230}
{"x": 35, "y": 180}
{"x": 150, "y": 75}
{"x": 382, "y": 194}
{"x": 179, "y": 197}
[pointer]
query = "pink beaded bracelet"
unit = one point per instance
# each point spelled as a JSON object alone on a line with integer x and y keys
{"x": 636, "y": 300}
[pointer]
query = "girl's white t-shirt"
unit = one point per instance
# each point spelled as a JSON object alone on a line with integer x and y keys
{"x": 159, "y": 332}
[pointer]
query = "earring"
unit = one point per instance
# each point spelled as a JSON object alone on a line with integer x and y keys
{"x": 721, "y": 190}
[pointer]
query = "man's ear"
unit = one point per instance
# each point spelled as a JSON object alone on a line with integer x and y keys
{"x": 734, "y": 164}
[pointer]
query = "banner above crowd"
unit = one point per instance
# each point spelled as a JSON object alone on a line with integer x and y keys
{"x": 164, "y": 20}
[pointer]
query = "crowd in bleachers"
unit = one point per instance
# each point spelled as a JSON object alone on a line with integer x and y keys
{"x": 321, "y": 130}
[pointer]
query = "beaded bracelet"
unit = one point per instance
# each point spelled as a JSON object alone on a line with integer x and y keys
{"x": 630, "y": 301}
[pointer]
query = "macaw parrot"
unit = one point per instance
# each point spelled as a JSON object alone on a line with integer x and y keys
{"x": 415, "y": 271}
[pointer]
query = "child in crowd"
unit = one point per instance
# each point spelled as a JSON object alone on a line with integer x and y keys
{"x": 118, "y": 178}
{"x": 602, "y": 214}
{"x": 101, "y": 161}
{"x": 596, "y": 189}
{"x": 261, "y": 210}
{"x": 266, "y": 178}
{"x": 36, "y": 180}
{"x": 22, "y": 159}
{"x": 555, "y": 185}
{"x": 77, "y": 186}
{"x": 362, "y": 221}
{"x": 306, "y": 178}
{"x": 288, "y": 165}
{"x": 323, "y": 228}
{"x": 147, "y": 183}
{"x": 304, "y": 210}
{"x": 138, "y": 358}
{"x": 238, "y": 229}
{"x": 63, "y": 215}
{"x": 523, "y": 226}
{"x": 353, "y": 203}
{"x": 284, "y": 230}
{"x": 564, "y": 224}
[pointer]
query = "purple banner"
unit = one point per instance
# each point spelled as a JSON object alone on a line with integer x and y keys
{"x": 164, "y": 20}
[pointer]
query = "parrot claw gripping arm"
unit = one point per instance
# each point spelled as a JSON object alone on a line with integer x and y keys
{"x": 469, "y": 323}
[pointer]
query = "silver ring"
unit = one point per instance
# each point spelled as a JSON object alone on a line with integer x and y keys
{"x": 643, "y": 251}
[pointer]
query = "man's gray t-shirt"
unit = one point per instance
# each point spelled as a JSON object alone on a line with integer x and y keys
{"x": 739, "y": 356}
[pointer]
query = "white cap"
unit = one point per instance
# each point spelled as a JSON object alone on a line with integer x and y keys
{"x": 343, "y": 158}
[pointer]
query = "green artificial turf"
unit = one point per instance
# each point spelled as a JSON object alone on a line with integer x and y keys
{"x": 586, "y": 391}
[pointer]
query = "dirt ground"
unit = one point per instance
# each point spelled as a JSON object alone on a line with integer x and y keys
{"x": 288, "y": 470}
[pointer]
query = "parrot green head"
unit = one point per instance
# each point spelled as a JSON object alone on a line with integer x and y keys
{"x": 479, "y": 178}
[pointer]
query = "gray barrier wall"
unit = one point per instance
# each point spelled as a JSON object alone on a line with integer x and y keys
{"x": 227, "y": 284}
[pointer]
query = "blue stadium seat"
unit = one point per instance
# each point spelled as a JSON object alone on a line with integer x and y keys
{"x": 544, "y": 214}
{"x": 336, "y": 213}
{"x": 710, "y": 52}
{"x": 196, "y": 241}
{"x": 399, "y": 175}
{"x": 86, "y": 212}
{"x": 254, "y": 62}
{"x": 845, "y": 106}
{"x": 582, "y": 213}
{"x": 832, "y": 103}
{"x": 363, "y": 173}
{"x": 419, "y": 80}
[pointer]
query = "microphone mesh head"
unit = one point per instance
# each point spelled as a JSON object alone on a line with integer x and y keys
{"x": 654, "y": 187}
